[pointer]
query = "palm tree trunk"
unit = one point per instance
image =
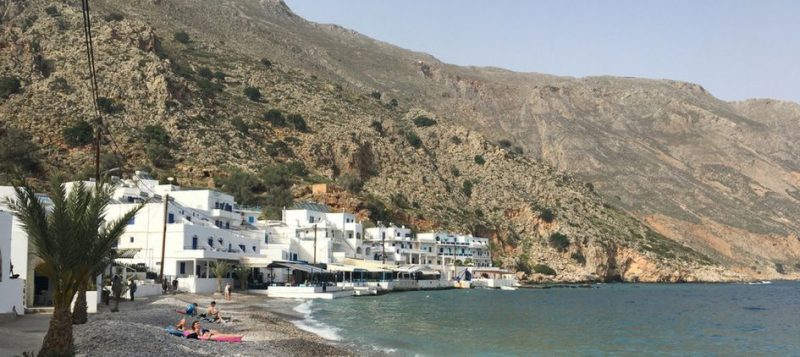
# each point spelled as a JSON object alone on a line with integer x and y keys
{"x": 80, "y": 314}
{"x": 58, "y": 340}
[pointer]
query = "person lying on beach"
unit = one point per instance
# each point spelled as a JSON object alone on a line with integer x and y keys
{"x": 199, "y": 332}
{"x": 191, "y": 309}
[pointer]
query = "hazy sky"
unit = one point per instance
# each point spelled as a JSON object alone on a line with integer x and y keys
{"x": 735, "y": 49}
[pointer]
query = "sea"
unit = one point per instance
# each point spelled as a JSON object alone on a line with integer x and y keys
{"x": 604, "y": 319}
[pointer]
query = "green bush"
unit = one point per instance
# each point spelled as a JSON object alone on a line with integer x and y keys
{"x": 78, "y": 134}
{"x": 51, "y": 10}
{"x": 579, "y": 258}
{"x": 423, "y": 121}
{"x": 455, "y": 140}
{"x": 205, "y": 72}
{"x": 252, "y": 93}
{"x": 505, "y": 144}
{"x": 480, "y": 160}
{"x": 399, "y": 200}
{"x": 393, "y": 102}
{"x": 377, "y": 126}
{"x": 455, "y": 172}
{"x": 240, "y": 125}
{"x": 219, "y": 75}
{"x": 559, "y": 241}
{"x": 351, "y": 182}
{"x": 9, "y": 86}
{"x": 18, "y": 151}
{"x": 158, "y": 155}
{"x": 114, "y": 16}
{"x": 155, "y": 134}
{"x": 275, "y": 118}
{"x": 182, "y": 37}
{"x": 413, "y": 139}
{"x": 267, "y": 63}
{"x": 297, "y": 121}
{"x": 243, "y": 185}
{"x": 517, "y": 150}
{"x": 523, "y": 265}
{"x": 208, "y": 88}
{"x": 543, "y": 269}
{"x": 547, "y": 215}
{"x": 375, "y": 94}
{"x": 466, "y": 188}
{"x": 279, "y": 148}
{"x": 109, "y": 106}
{"x": 779, "y": 268}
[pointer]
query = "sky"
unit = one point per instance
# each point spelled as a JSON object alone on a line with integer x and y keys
{"x": 736, "y": 49}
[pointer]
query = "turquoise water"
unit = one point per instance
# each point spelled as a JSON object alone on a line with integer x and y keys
{"x": 616, "y": 319}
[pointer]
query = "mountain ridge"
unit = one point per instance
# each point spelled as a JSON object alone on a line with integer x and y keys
{"x": 156, "y": 80}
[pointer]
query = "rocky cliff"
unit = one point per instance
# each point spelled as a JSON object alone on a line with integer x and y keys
{"x": 215, "y": 74}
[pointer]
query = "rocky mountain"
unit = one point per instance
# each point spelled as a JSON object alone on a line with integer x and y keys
{"x": 201, "y": 89}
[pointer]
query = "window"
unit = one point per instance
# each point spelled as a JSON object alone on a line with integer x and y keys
{"x": 210, "y": 242}
{"x": 397, "y": 234}
{"x": 183, "y": 268}
{"x": 227, "y": 225}
{"x": 171, "y": 218}
{"x": 310, "y": 219}
{"x": 242, "y": 248}
{"x": 254, "y": 248}
{"x": 349, "y": 234}
{"x": 358, "y": 235}
{"x": 266, "y": 238}
{"x": 437, "y": 238}
{"x": 441, "y": 250}
{"x": 131, "y": 239}
{"x": 251, "y": 219}
{"x": 132, "y": 221}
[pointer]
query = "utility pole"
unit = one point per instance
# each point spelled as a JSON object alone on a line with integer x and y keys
{"x": 164, "y": 237}
{"x": 383, "y": 246}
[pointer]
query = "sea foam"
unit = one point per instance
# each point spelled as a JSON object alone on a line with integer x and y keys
{"x": 308, "y": 323}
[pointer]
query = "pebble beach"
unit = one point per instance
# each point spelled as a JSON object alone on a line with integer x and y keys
{"x": 138, "y": 330}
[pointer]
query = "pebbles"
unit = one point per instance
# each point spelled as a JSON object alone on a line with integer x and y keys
{"x": 138, "y": 330}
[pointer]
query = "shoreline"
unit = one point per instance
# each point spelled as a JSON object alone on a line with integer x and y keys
{"x": 138, "y": 329}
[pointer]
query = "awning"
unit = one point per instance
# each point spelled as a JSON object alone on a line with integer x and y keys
{"x": 345, "y": 268}
{"x": 127, "y": 253}
{"x": 296, "y": 266}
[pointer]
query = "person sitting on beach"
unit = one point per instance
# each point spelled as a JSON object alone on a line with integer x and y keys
{"x": 198, "y": 331}
{"x": 191, "y": 309}
{"x": 213, "y": 312}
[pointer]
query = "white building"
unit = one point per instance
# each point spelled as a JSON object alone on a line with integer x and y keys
{"x": 396, "y": 244}
{"x": 453, "y": 248}
{"x": 310, "y": 232}
{"x": 11, "y": 286}
{"x": 201, "y": 227}
{"x": 37, "y": 286}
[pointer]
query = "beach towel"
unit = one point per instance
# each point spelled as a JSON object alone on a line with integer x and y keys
{"x": 223, "y": 339}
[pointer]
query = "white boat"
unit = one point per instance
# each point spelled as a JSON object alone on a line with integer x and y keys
{"x": 508, "y": 288}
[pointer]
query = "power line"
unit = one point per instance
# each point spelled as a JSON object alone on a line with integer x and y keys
{"x": 87, "y": 37}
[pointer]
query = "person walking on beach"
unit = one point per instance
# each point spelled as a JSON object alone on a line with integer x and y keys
{"x": 175, "y": 285}
{"x": 228, "y": 291}
{"x": 132, "y": 288}
{"x": 164, "y": 286}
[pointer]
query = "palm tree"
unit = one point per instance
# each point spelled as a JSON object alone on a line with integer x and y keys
{"x": 221, "y": 268}
{"x": 72, "y": 241}
{"x": 80, "y": 313}
{"x": 244, "y": 275}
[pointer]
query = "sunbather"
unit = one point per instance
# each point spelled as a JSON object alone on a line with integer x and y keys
{"x": 213, "y": 312}
{"x": 191, "y": 309}
{"x": 200, "y": 332}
